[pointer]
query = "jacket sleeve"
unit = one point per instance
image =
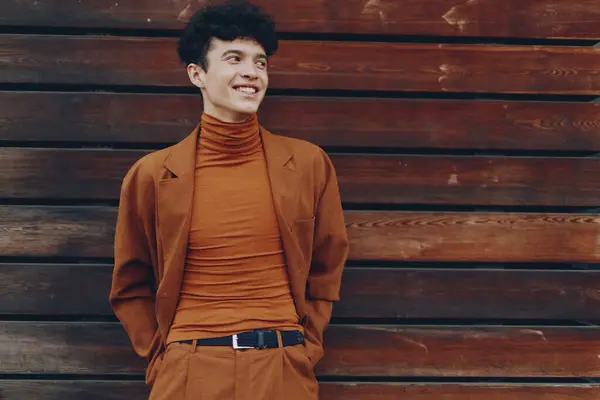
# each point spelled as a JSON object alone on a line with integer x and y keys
{"x": 330, "y": 250}
{"x": 132, "y": 295}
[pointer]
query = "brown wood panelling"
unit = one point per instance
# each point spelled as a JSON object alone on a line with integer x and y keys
{"x": 494, "y": 237}
{"x": 55, "y": 289}
{"x": 130, "y": 390}
{"x": 63, "y": 289}
{"x": 87, "y": 231}
{"x": 468, "y": 180}
{"x": 73, "y": 390}
{"x": 311, "y": 65}
{"x": 470, "y": 351}
{"x": 67, "y": 348}
{"x": 363, "y": 179}
{"x": 445, "y": 391}
{"x": 366, "y": 350}
{"x": 456, "y": 293}
{"x": 46, "y": 231}
{"x": 509, "y": 18}
{"x": 65, "y": 173}
{"x": 334, "y": 121}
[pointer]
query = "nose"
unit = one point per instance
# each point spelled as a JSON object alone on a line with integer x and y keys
{"x": 249, "y": 71}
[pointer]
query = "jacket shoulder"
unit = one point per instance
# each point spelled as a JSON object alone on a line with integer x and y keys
{"x": 145, "y": 171}
{"x": 312, "y": 162}
{"x": 306, "y": 152}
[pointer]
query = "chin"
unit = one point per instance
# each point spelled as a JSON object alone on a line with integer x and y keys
{"x": 246, "y": 110}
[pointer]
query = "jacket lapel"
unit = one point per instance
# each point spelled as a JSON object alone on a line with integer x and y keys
{"x": 175, "y": 195}
{"x": 285, "y": 188}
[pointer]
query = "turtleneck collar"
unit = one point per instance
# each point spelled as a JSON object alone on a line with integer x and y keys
{"x": 230, "y": 137}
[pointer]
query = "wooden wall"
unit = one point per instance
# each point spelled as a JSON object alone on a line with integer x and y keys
{"x": 466, "y": 138}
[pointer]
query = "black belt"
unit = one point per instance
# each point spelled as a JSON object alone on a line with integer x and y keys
{"x": 253, "y": 340}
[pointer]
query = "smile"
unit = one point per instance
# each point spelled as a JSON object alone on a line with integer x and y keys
{"x": 246, "y": 89}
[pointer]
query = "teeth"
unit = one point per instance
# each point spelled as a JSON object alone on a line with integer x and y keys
{"x": 248, "y": 90}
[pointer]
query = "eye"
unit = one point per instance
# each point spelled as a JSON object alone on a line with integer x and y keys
{"x": 262, "y": 64}
{"x": 234, "y": 58}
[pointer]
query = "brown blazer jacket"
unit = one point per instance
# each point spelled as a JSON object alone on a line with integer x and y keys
{"x": 152, "y": 230}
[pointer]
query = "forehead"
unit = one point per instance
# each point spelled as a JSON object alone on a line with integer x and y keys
{"x": 247, "y": 46}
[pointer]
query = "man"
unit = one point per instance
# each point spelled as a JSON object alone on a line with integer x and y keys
{"x": 230, "y": 245}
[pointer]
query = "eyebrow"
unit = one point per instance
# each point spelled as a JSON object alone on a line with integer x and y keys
{"x": 241, "y": 53}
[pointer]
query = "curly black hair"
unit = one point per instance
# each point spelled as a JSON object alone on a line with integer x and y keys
{"x": 225, "y": 20}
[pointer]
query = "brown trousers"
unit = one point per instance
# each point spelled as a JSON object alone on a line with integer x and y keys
{"x": 221, "y": 373}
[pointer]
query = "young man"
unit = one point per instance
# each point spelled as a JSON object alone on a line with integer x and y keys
{"x": 229, "y": 245}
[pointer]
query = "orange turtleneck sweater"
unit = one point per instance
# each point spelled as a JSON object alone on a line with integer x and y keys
{"x": 235, "y": 277}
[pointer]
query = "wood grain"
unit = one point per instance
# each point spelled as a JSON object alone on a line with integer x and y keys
{"x": 47, "y": 231}
{"x": 67, "y": 348}
{"x": 73, "y": 289}
{"x": 494, "y": 237}
{"x": 453, "y": 391}
{"x": 477, "y": 180}
{"x": 509, "y": 18}
{"x": 367, "y": 350}
{"x": 55, "y": 289}
{"x": 65, "y": 173}
{"x": 470, "y": 351}
{"x": 52, "y": 117}
{"x": 364, "y": 179}
{"x": 132, "y": 390}
{"x": 87, "y": 231}
{"x": 311, "y": 65}
{"x": 467, "y": 293}
{"x": 73, "y": 390}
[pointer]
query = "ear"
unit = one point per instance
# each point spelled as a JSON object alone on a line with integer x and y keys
{"x": 197, "y": 75}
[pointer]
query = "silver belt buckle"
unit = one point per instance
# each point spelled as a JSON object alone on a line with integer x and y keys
{"x": 236, "y": 346}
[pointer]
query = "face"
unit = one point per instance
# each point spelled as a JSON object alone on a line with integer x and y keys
{"x": 236, "y": 79}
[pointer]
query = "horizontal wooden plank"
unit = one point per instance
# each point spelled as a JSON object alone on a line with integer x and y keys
{"x": 40, "y": 231}
{"x": 367, "y": 350}
{"x": 65, "y": 173}
{"x": 311, "y": 65}
{"x": 67, "y": 348}
{"x": 495, "y": 237}
{"x": 67, "y": 231}
{"x": 460, "y": 293}
{"x": 509, "y": 18}
{"x": 55, "y": 289}
{"x": 334, "y": 121}
{"x": 364, "y": 179}
{"x": 453, "y": 391}
{"x": 63, "y": 289}
{"x": 73, "y": 390}
{"x": 465, "y": 351}
{"x": 489, "y": 180}
{"x": 132, "y": 390}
